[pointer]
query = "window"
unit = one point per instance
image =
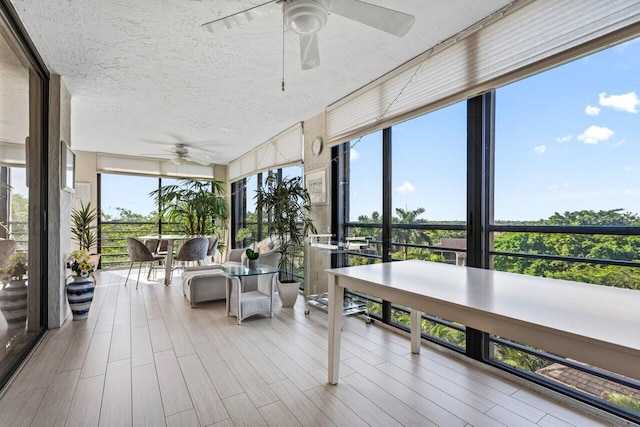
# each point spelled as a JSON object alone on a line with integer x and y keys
{"x": 558, "y": 199}
{"x": 22, "y": 317}
{"x": 566, "y": 169}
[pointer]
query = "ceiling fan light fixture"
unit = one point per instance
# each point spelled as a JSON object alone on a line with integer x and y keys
{"x": 306, "y": 17}
{"x": 178, "y": 160}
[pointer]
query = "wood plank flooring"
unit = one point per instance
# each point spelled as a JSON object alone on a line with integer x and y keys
{"x": 145, "y": 358}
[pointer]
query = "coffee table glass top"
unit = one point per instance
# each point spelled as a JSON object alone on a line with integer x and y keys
{"x": 241, "y": 270}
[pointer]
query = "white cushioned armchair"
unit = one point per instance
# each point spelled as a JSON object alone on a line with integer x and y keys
{"x": 268, "y": 248}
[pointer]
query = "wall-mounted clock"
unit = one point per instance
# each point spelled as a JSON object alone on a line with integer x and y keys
{"x": 316, "y": 146}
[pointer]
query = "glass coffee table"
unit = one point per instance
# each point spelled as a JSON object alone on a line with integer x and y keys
{"x": 243, "y": 303}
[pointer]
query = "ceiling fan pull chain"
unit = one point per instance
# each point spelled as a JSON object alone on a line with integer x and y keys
{"x": 283, "y": 22}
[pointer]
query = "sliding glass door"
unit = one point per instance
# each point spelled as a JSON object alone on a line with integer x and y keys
{"x": 22, "y": 290}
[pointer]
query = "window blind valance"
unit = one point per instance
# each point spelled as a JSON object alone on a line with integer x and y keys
{"x": 285, "y": 149}
{"x": 524, "y": 38}
{"x": 12, "y": 154}
{"x": 151, "y": 167}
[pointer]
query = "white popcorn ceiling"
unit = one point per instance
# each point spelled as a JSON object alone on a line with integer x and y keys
{"x": 144, "y": 70}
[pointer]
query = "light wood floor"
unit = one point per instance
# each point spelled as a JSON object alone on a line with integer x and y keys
{"x": 145, "y": 358}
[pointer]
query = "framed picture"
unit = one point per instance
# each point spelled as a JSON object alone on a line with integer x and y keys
{"x": 67, "y": 168}
{"x": 316, "y": 183}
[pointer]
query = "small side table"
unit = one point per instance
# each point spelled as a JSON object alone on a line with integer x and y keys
{"x": 244, "y": 304}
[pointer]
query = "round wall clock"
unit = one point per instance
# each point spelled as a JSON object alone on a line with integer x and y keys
{"x": 316, "y": 146}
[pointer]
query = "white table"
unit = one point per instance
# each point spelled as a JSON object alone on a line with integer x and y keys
{"x": 594, "y": 324}
{"x": 170, "y": 238}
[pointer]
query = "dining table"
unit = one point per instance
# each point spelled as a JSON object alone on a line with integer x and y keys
{"x": 171, "y": 239}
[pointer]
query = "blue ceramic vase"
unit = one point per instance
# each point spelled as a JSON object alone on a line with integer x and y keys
{"x": 13, "y": 303}
{"x": 80, "y": 296}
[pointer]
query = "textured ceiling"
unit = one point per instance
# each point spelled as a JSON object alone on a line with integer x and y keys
{"x": 143, "y": 74}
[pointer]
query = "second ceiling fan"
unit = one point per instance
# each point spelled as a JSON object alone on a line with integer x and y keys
{"x": 307, "y": 17}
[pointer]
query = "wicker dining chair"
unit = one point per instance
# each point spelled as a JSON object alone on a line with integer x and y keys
{"x": 193, "y": 250}
{"x": 213, "y": 246}
{"x": 154, "y": 245}
{"x": 139, "y": 252}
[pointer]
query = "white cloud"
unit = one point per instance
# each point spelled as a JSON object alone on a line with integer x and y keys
{"x": 540, "y": 149}
{"x": 591, "y": 110}
{"x": 556, "y": 186}
{"x": 595, "y": 134}
{"x": 564, "y": 138}
{"x": 626, "y": 102}
{"x": 354, "y": 154}
{"x": 407, "y": 187}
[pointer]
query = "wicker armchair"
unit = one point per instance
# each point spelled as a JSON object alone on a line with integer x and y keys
{"x": 255, "y": 302}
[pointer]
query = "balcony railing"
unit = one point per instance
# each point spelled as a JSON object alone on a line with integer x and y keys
{"x": 612, "y": 269}
{"x": 113, "y": 237}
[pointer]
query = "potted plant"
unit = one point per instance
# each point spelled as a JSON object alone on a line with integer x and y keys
{"x": 83, "y": 231}
{"x": 289, "y": 204}
{"x": 198, "y": 206}
{"x": 80, "y": 290}
{"x": 252, "y": 258}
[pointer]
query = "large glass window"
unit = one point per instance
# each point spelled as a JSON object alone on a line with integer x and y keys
{"x": 566, "y": 166}
{"x": 567, "y": 141}
{"x": 552, "y": 189}
{"x": 21, "y": 241}
{"x": 365, "y": 179}
{"x": 429, "y": 186}
{"x": 129, "y": 213}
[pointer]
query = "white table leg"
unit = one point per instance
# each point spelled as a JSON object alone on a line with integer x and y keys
{"x": 416, "y": 331}
{"x": 336, "y": 301}
{"x": 169, "y": 263}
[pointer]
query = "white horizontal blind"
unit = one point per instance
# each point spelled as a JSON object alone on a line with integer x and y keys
{"x": 151, "y": 167}
{"x": 285, "y": 149}
{"x": 525, "y": 38}
{"x": 12, "y": 154}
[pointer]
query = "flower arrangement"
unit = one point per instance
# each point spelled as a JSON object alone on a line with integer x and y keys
{"x": 79, "y": 263}
{"x": 16, "y": 269}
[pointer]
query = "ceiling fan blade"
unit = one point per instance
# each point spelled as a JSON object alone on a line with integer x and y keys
{"x": 309, "y": 51}
{"x": 388, "y": 20}
{"x": 200, "y": 161}
{"x": 241, "y": 18}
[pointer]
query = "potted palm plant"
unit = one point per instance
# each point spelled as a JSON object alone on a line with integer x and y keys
{"x": 289, "y": 205}
{"x": 196, "y": 205}
{"x": 83, "y": 230}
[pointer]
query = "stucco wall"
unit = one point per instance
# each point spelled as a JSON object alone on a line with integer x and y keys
{"x": 317, "y": 261}
{"x": 58, "y": 220}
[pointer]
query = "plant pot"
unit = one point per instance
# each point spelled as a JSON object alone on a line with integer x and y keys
{"x": 80, "y": 296}
{"x": 253, "y": 264}
{"x": 288, "y": 293}
{"x": 13, "y": 303}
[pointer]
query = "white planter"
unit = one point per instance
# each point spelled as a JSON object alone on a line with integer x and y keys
{"x": 288, "y": 293}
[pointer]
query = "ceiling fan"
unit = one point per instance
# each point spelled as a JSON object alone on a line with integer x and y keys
{"x": 180, "y": 155}
{"x": 307, "y": 17}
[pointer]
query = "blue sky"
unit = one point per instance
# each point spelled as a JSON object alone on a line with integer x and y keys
{"x": 566, "y": 139}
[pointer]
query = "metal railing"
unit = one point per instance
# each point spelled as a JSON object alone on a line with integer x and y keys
{"x": 18, "y": 231}
{"x": 113, "y": 237}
